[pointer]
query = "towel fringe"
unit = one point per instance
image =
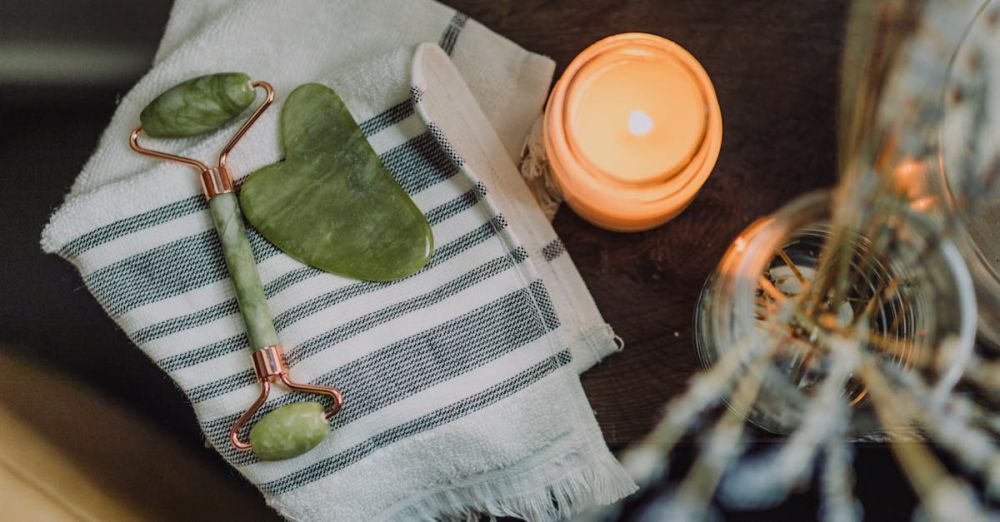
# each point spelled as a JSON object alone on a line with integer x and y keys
{"x": 594, "y": 480}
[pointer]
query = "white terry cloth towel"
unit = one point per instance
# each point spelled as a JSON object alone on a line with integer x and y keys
{"x": 460, "y": 382}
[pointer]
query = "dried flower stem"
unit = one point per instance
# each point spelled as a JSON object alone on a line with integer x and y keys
{"x": 942, "y": 495}
{"x": 723, "y": 441}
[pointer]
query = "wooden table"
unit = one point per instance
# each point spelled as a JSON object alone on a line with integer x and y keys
{"x": 774, "y": 64}
{"x": 775, "y": 67}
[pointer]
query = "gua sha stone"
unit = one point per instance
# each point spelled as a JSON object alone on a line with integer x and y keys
{"x": 197, "y": 106}
{"x": 330, "y": 203}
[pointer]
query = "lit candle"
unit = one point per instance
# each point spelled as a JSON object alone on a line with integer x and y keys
{"x": 632, "y": 131}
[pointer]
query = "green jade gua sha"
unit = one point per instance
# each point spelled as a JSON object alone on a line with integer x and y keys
{"x": 191, "y": 108}
{"x": 331, "y": 203}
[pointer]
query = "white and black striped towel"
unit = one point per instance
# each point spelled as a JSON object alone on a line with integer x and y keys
{"x": 461, "y": 383}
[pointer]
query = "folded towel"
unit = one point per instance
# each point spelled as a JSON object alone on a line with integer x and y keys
{"x": 461, "y": 382}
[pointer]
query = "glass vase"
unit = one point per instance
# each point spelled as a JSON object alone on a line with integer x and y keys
{"x": 910, "y": 304}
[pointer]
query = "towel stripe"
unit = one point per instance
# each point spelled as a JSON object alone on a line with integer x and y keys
{"x": 367, "y": 322}
{"x": 204, "y": 353}
{"x": 412, "y": 365}
{"x": 418, "y": 164}
{"x": 450, "y": 36}
{"x": 195, "y": 261}
{"x": 440, "y": 417}
{"x": 129, "y": 225}
{"x": 554, "y": 249}
{"x": 217, "y": 349}
{"x": 209, "y": 314}
{"x": 166, "y": 271}
{"x": 480, "y": 335}
{"x": 387, "y": 118}
{"x": 321, "y": 302}
{"x": 301, "y": 274}
{"x": 178, "y": 209}
{"x": 304, "y": 350}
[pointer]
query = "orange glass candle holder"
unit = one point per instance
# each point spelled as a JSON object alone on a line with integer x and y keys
{"x": 632, "y": 131}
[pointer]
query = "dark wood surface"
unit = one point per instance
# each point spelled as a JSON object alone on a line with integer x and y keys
{"x": 774, "y": 64}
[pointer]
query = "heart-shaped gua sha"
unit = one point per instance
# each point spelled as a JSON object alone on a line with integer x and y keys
{"x": 330, "y": 203}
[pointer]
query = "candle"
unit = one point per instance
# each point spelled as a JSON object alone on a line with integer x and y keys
{"x": 632, "y": 131}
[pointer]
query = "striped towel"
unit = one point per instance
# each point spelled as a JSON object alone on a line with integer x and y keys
{"x": 461, "y": 382}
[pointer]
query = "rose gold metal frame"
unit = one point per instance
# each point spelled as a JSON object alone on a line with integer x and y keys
{"x": 270, "y": 366}
{"x": 269, "y": 363}
{"x": 214, "y": 180}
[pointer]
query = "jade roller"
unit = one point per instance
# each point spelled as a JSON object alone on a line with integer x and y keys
{"x": 191, "y": 108}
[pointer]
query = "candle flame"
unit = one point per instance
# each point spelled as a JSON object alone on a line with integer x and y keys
{"x": 639, "y": 123}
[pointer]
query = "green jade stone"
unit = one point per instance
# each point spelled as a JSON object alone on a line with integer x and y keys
{"x": 228, "y": 220}
{"x": 197, "y": 106}
{"x": 331, "y": 203}
{"x": 289, "y": 431}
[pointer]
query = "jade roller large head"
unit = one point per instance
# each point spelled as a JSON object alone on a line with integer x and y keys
{"x": 195, "y": 107}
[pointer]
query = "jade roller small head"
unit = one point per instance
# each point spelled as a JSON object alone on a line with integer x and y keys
{"x": 195, "y": 107}
{"x": 289, "y": 431}
{"x": 198, "y": 105}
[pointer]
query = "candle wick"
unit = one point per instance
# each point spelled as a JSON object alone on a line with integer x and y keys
{"x": 639, "y": 123}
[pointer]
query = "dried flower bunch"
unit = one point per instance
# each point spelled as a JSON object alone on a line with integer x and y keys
{"x": 851, "y": 315}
